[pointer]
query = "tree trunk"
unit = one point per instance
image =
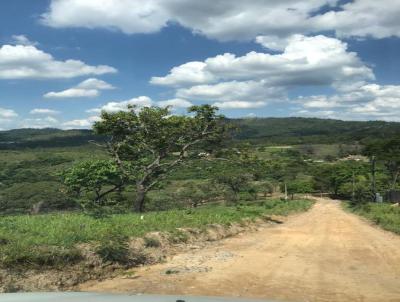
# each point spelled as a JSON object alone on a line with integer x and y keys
{"x": 140, "y": 196}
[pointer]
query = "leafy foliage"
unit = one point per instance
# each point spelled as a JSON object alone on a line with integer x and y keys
{"x": 148, "y": 144}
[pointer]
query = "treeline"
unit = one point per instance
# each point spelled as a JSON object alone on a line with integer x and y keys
{"x": 91, "y": 177}
{"x": 271, "y": 131}
{"x": 296, "y": 130}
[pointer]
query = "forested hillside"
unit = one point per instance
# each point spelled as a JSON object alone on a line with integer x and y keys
{"x": 293, "y": 149}
{"x": 296, "y": 130}
{"x": 262, "y": 130}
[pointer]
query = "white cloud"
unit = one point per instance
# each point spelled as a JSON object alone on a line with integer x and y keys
{"x": 7, "y": 113}
{"x": 175, "y": 103}
{"x": 231, "y": 20}
{"x": 23, "y": 40}
{"x": 233, "y": 91}
{"x": 81, "y": 123}
{"x": 273, "y": 42}
{"x": 141, "y": 101}
{"x": 370, "y": 101}
{"x": 73, "y": 93}
{"x": 363, "y": 18}
{"x": 186, "y": 74}
{"x": 128, "y": 16}
{"x": 44, "y": 111}
{"x": 28, "y": 62}
{"x": 88, "y": 88}
{"x": 93, "y": 83}
{"x": 318, "y": 60}
{"x": 239, "y": 105}
{"x": 44, "y": 122}
{"x": 263, "y": 77}
{"x": 94, "y": 110}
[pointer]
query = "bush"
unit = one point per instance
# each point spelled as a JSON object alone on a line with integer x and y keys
{"x": 178, "y": 236}
{"x": 16, "y": 255}
{"x": 151, "y": 241}
{"x": 113, "y": 247}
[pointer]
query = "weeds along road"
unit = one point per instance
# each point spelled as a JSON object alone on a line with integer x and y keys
{"x": 325, "y": 254}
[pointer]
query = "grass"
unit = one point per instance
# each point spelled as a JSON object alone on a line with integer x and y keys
{"x": 51, "y": 239}
{"x": 383, "y": 214}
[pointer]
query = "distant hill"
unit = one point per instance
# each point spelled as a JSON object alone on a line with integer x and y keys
{"x": 296, "y": 130}
{"x": 293, "y": 130}
{"x": 45, "y": 138}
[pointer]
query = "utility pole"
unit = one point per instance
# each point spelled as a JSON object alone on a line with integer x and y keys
{"x": 286, "y": 197}
{"x": 373, "y": 171}
{"x": 353, "y": 193}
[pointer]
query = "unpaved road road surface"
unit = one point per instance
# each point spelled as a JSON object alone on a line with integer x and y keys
{"x": 324, "y": 254}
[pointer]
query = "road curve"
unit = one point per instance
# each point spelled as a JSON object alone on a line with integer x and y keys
{"x": 325, "y": 254}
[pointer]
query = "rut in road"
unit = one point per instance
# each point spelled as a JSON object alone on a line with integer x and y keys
{"x": 324, "y": 254}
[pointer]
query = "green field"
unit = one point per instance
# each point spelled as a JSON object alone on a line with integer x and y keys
{"x": 51, "y": 239}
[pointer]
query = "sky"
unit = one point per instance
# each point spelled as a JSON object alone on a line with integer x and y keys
{"x": 64, "y": 61}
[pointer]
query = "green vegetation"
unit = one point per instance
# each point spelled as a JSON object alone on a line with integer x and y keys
{"x": 145, "y": 146}
{"x": 296, "y": 131}
{"x": 181, "y": 171}
{"x": 51, "y": 239}
{"x": 385, "y": 215}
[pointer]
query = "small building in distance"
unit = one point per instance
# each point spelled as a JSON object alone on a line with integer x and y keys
{"x": 355, "y": 158}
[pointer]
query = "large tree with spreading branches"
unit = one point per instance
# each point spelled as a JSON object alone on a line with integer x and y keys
{"x": 149, "y": 143}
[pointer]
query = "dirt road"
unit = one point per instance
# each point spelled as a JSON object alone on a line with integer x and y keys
{"x": 325, "y": 254}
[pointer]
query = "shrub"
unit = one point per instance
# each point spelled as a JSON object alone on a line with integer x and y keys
{"x": 113, "y": 247}
{"x": 178, "y": 236}
{"x": 17, "y": 255}
{"x": 151, "y": 241}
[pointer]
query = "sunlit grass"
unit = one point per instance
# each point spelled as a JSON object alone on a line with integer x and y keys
{"x": 383, "y": 214}
{"x": 32, "y": 240}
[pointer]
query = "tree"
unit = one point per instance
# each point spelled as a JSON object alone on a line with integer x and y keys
{"x": 148, "y": 144}
{"x": 387, "y": 152}
{"x": 266, "y": 187}
{"x": 194, "y": 193}
{"x": 299, "y": 186}
{"x": 98, "y": 177}
{"x": 235, "y": 180}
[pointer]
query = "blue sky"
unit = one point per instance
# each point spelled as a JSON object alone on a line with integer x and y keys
{"x": 63, "y": 61}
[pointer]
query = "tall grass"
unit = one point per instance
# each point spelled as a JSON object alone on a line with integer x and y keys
{"x": 51, "y": 239}
{"x": 385, "y": 215}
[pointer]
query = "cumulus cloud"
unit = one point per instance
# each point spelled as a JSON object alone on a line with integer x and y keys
{"x": 81, "y": 123}
{"x": 362, "y": 18}
{"x": 264, "y": 77}
{"x": 175, "y": 103}
{"x": 128, "y": 16}
{"x": 305, "y": 61}
{"x": 44, "y": 111}
{"x": 369, "y": 101}
{"x": 234, "y": 90}
{"x": 231, "y": 20}
{"x": 43, "y": 122}
{"x": 73, "y": 93}
{"x": 28, "y": 62}
{"x": 23, "y": 40}
{"x": 7, "y": 113}
{"x": 94, "y": 83}
{"x": 141, "y": 101}
{"x": 239, "y": 104}
{"x": 88, "y": 88}
{"x": 186, "y": 74}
